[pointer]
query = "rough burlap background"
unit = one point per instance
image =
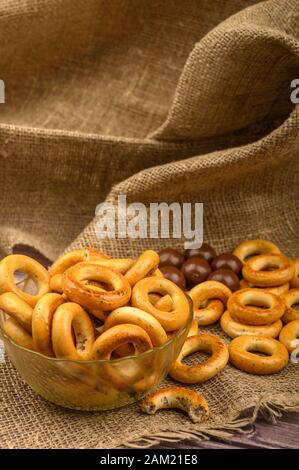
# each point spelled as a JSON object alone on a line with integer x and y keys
{"x": 200, "y": 103}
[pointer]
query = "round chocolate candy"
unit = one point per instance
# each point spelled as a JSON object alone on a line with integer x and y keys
{"x": 196, "y": 270}
{"x": 205, "y": 251}
{"x": 175, "y": 275}
{"x": 171, "y": 257}
{"x": 227, "y": 277}
{"x": 227, "y": 261}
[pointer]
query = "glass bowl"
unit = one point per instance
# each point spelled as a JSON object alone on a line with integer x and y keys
{"x": 98, "y": 384}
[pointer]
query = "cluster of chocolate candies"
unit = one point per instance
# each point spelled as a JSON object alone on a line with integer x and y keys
{"x": 198, "y": 265}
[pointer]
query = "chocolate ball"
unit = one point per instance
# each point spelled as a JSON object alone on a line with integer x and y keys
{"x": 205, "y": 251}
{"x": 227, "y": 277}
{"x": 227, "y": 261}
{"x": 175, "y": 275}
{"x": 196, "y": 270}
{"x": 171, "y": 257}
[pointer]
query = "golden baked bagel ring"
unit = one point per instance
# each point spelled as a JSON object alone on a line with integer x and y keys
{"x": 216, "y": 294}
{"x": 94, "y": 300}
{"x": 295, "y": 279}
{"x": 73, "y": 257}
{"x": 147, "y": 262}
{"x": 206, "y": 369}
{"x": 278, "y": 290}
{"x": 135, "y": 316}
{"x": 289, "y": 335}
{"x": 177, "y": 316}
{"x": 42, "y": 316}
{"x": 242, "y": 354}
{"x": 256, "y": 270}
{"x": 234, "y": 328}
{"x": 184, "y": 399}
{"x": 255, "y": 307}
{"x": 35, "y": 271}
{"x": 17, "y": 308}
{"x": 253, "y": 248}
{"x": 120, "y": 335}
{"x": 17, "y": 333}
{"x": 291, "y": 298}
{"x": 71, "y": 320}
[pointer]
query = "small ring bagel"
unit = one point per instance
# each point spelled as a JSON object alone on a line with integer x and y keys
{"x": 73, "y": 257}
{"x": 68, "y": 318}
{"x": 184, "y": 399}
{"x": 255, "y": 270}
{"x": 32, "y": 268}
{"x": 291, "y": 298}
{"x": 172, "y": 320}
{"x": 119, "y": 335}
{"x": 17, "y": 308}
{"x": 205, "y": 370}
{"x": 295, "y": 278}
{"x": 289, "y": 335}
{"x": 17, "y": 333}
{"x": 147, "y": 262}
{"x": 216, "y": 293}
{"x": 253, "y": 248}
{"x": 242, "y": 354}
{"x": 234, "y": 328}
{"x": 245, "y": 306}
{"x": 138, "y": 317}
{"x": 42, "y": 316}
{"x": 277, "y": 290}
{"x": 94, "y": 300}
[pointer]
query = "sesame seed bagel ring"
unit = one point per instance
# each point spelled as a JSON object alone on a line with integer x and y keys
{"x": 177, "y": 316}
{"x": 35, "y": 271}
{"x": 72, "y": 332}
{"x": 17, "y": 333}
{"x": 206, "y": 369}
{"x": 256, "y": 270}
{"x": 73, "y": 257}
{"x": 213, "y": 291}
{"x": 242, "y": 354}
{"x": 278, "y": 290}
{"x": 119, "y": 335}
{"x": 17, "y": 308}
{"x": 295, "y": 279}
{"x": 147, "y": 262}
{"x": 135, "y": 316}
{"x": 255, "y": 307}
{"x": 184, "y": 399}
{"x": 93, "y": 299}
{"x": 253, "y": 248}
{"x": 42, "y": 316}
{"x": 291, "y": 298}
{"x": 234, "y": 328}
{"x": 289, "y": 335}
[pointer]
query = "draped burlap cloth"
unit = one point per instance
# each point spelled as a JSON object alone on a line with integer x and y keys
{"x": 177, "y": 100}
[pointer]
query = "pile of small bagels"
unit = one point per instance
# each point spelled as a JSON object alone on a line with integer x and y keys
{"x": 90, "y": 306}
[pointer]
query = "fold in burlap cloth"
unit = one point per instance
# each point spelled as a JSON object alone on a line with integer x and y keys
{"x": 201, "y": 89}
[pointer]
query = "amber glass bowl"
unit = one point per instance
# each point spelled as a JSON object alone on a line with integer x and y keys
{"x": 99, "y": 384}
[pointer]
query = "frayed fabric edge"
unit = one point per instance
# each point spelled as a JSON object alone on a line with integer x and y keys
{"x": 267, "y": 408}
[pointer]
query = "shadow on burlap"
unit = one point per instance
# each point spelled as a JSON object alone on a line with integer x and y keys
{"x": 201, "y": 100}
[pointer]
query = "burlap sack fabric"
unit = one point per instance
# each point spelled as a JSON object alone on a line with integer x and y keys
{"x": 200, "y": 103}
